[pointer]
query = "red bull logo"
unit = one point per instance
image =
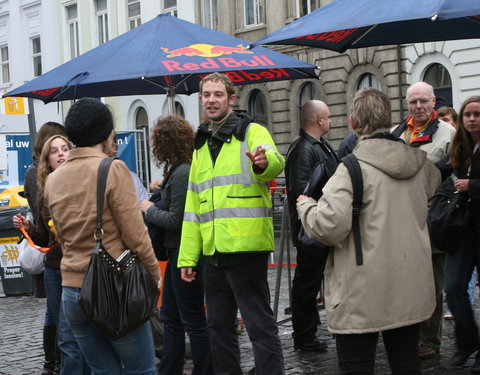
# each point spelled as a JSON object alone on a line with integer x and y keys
{"x": 46, "y": 92}
{"x": 331, "y": 36}
{"x": 205, "y": 50}
{"x": 214, "y": 58}
{"x": 242, "y": 76}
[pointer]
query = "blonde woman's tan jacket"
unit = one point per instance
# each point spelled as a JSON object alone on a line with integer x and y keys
{"x": 71, "y": 197}
{"x": 394, "y": 287}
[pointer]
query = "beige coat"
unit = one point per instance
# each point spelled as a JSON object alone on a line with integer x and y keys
{"x": 70, "y": 195}
{"x": 394, "y": 287}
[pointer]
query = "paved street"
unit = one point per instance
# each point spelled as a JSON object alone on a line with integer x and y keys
{"x": 21, "y": 341}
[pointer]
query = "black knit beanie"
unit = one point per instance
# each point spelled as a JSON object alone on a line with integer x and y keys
{"x": 88, "y": 122}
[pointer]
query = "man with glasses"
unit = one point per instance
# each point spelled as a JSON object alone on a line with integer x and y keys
{"x": 423, "y": 129}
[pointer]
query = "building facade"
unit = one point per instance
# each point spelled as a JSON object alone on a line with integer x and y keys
{"x": 36, "y": 36}
{"x": 451, "y": 67}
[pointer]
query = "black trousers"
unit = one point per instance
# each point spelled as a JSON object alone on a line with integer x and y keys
{"x": 305, "y": 287}
{"x": 356, "y": 352}
{"x": 242, "y": 286}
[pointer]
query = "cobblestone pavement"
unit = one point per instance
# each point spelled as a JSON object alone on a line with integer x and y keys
{"x": 21, "y": 342}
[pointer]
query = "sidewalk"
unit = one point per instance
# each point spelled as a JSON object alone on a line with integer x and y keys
{"x": 21, "y": 341}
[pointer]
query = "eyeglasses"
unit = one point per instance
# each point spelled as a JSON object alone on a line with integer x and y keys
{"x": 421, "y": 101}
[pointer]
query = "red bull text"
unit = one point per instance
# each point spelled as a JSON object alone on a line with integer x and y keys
{"x": 331, "y": 36}
{"x": 219, "y": 63}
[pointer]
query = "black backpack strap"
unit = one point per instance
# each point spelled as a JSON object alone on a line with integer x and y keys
{"x": 101, "y": 187}
{"x": 353, "y": 166}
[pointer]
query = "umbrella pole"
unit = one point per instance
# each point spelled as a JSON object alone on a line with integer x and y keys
{"x": 171, "y": 100}
{"x": 32, "y": 127}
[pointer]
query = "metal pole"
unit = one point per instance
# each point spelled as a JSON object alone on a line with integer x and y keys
{"x": 31, "y": 122}
{"x": 283, "y": 237}
{"x": 171, "y": 100}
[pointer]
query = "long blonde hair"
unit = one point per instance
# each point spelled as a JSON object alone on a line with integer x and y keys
{"x": 44, "y": 168}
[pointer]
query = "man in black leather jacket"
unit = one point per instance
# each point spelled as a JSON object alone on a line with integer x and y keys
{"x": 307, "y": 149}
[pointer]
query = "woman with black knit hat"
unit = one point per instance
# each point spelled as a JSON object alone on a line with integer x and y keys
{"x": 70, "y": 195}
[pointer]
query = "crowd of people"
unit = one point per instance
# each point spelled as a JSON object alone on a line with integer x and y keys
{"x": 213, "y": 216}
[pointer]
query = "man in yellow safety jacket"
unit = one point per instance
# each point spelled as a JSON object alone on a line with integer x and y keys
{"x": 228, "y": 220}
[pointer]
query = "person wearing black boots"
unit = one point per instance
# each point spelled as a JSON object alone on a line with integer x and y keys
{"x": 52, "y": 355}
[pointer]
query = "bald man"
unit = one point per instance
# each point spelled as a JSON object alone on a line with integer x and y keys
{"x": 423, "y": 129}
{"x": 307, "y": 150}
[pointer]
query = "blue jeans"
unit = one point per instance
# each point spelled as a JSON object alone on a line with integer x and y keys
{"x": 460, "y": 265}
{"x": 472, "y": 287}
{"x": 73, "y": 362}
{"x": 183, "y": 309}
{"x": 132, "y": 354}
{"x": 52, "y": 278}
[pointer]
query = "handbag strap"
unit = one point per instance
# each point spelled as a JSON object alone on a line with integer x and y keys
{"x": 353, "y": 166}
{"x": 101, "y": 186}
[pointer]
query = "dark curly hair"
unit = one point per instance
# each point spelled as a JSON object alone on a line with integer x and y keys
{"x": 172, "y": 142}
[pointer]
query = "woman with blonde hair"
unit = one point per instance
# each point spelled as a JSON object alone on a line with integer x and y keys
{"x": 52, "y": 360}
{"x": 54, "y": 153}
{"x": 182, "y": 303}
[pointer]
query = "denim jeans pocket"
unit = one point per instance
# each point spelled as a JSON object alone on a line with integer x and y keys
{"x": 74, "y": 313}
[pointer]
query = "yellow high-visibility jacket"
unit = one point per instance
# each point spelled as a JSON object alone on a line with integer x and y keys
{"x": 228, "y": 207}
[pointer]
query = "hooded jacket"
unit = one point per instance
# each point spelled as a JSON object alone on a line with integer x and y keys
{"x": 394, "y": 287}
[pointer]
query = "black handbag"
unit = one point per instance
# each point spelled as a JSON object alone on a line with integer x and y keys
{"x": 117, "y": 295}
{"x": 448, "y": 217}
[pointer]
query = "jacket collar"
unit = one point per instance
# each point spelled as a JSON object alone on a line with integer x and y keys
{"x": 236, "y": 125}
{"x": 85, "y": 152}
{"x": 425, "y": 138}
{"x": 308, "y": 137}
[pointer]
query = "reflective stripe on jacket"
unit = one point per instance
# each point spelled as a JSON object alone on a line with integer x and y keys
{"x": 228, "y": 206}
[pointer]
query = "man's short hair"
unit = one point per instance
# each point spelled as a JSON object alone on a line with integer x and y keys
{"x": 371, "y": 111}
{"x": 219, "y": 77}
{"x": 445, "y": 111}
{"x": 425, "y": 84}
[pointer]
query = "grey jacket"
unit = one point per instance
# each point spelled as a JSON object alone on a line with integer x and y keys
{"x": 173, "y": 194}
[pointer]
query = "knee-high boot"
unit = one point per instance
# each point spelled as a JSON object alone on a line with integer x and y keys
{"x": 51, "y": 364}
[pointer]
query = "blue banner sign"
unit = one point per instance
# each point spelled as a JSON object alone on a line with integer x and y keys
{"x": 16, "y": 156}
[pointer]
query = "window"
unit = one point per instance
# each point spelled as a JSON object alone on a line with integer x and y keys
{"x": 141, "y": 118}
{"x": 5, "y": 64}
{"x": 210, "y": 14}
{"x": 437, "y": 76}
{"x": 37, "y": 56}
{"x": 134, "y": 14}
{"x": 253, "y": 10}
{"x": 102, "y": 20}
{"x": 306, "y": 6}
{"x": 72, "y": 23}
{"x": 307, "y": 92}
{"x": 170, "y": 6}
{"x": 368, "y": 80}
{"x": 257, "y": 106}
{"x": 179, "y": 111}
{"x": 141, "y": 123}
